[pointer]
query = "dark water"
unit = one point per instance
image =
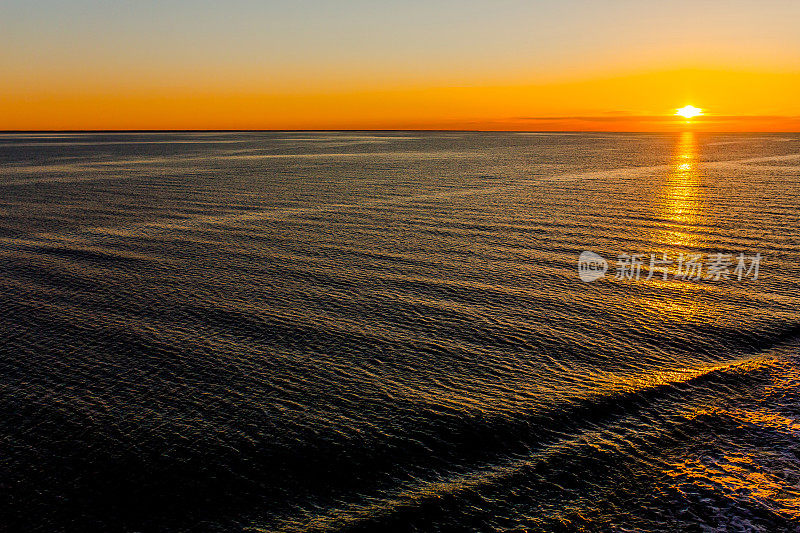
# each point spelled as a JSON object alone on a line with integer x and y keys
{"x": 387, "y": 332}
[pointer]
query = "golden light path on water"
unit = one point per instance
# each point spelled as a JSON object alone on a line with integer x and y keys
{"x": 681, "y": 211}
{"x": 683, "y": 204}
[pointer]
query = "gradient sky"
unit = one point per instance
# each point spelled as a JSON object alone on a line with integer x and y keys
{"x": 404, "y": 64}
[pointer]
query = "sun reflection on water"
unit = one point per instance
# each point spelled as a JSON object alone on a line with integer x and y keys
{"x": 681, "y": 211}
{"x": 682, "y": 206}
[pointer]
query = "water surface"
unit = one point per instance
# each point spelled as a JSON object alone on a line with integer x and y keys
{"x": 360, "y": 331}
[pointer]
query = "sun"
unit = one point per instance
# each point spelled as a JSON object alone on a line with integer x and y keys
{"x": 689, "y": 111}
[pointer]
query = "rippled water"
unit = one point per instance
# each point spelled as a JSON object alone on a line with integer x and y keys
{"x": 386, "y": 331}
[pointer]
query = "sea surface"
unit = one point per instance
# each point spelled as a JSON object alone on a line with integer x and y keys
{"x": 387, "y": 331}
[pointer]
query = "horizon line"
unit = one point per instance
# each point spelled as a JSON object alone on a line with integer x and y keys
{"x": 279, "y": 130}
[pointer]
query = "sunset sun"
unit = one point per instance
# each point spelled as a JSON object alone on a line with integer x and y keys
{"x": 689, "y": 111}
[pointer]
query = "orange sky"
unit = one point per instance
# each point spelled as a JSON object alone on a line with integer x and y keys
{"x": 506, "y": 65}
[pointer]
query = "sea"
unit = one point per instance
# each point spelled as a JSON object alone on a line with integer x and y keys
{"x": 346, "y": 331}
